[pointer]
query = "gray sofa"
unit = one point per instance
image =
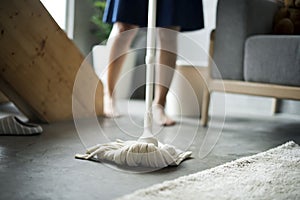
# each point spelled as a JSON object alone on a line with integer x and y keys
{"x": 248, "y": 58}
{"x": 272, "y": 59}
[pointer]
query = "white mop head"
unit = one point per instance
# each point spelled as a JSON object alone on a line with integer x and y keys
{"x": 136, "y": 154}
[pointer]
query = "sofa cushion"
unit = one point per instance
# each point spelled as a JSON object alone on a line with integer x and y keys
{"x": 237, "y": 20}
{"x": 273, "y": 59}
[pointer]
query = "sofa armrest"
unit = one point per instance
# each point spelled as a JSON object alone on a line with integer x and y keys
{"x": 273, "y": 59}
{"x": 236, "y": 21}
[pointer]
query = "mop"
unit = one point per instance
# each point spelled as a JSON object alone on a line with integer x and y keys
{"x": 147, "y": 151}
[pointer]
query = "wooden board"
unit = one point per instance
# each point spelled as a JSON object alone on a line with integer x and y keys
{"x": 38, "y": 63}
{"x": 3, "y": 98}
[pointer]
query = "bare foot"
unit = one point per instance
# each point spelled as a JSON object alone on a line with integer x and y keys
{"x": 109, "y": 108}
{"x": 160, "y": 117}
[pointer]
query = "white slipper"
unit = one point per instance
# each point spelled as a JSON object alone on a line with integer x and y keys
{"x": 11, "y": 125}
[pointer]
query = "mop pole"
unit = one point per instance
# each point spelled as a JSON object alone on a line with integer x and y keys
{"x": 150, "y": 60}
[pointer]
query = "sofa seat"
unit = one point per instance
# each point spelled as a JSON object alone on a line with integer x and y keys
{"x": 272, "y": 59}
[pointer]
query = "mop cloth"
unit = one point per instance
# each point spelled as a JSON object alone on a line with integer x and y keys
{"x": 136, "y": 154}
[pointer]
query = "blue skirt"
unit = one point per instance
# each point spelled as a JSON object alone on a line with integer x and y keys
{"x": 188, "y": 14}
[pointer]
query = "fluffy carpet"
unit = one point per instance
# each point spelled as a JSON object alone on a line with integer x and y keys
{"x": 274, "y": 174}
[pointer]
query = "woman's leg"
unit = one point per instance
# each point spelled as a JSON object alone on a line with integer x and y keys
{"x": 167, "y": 46}
{"x": 118, "y": 43}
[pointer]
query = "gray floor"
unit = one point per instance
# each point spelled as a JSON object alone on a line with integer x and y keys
{"x": 43, "y": 167}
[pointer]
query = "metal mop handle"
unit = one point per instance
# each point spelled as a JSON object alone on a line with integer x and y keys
{"x": 150, "y": 60}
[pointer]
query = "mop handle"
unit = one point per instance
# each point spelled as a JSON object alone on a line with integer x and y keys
{"x": 150, "y": 60}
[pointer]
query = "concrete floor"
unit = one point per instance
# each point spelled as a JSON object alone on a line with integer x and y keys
{"x": 43, "y": 167}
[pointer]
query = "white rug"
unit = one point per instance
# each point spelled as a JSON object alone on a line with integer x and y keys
{"x": 274, "y": 174}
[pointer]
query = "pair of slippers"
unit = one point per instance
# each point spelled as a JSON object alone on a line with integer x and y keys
{"x": 11, "y": 125}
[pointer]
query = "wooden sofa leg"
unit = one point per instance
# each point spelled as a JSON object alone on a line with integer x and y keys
{"x": 204, "y": 107}
{"x": 274, "y": 106}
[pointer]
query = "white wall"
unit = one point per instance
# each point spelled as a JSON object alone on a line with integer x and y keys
{"x": 201, "y": 37}
{"x": 57, "y": 9}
